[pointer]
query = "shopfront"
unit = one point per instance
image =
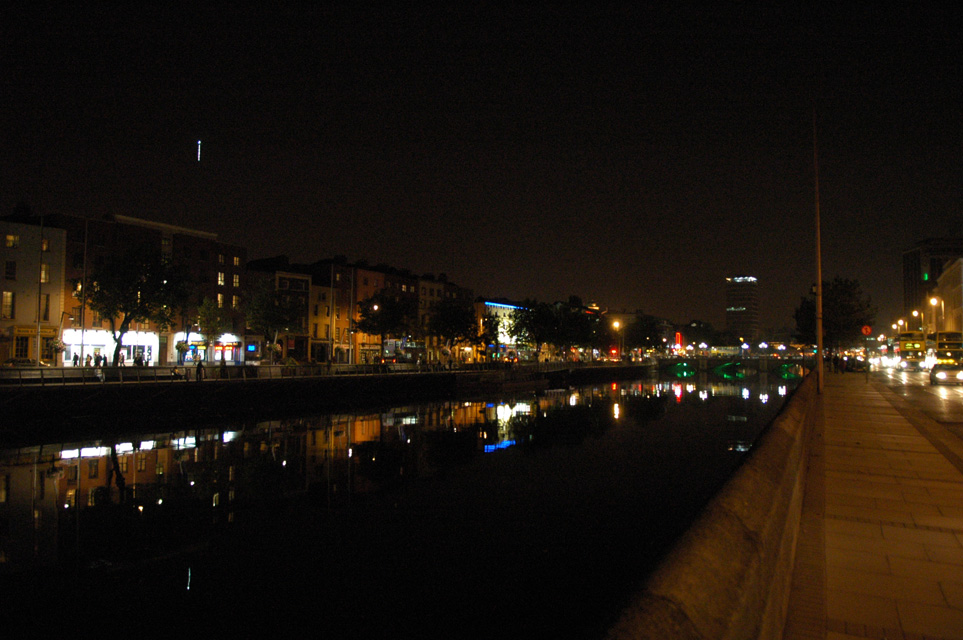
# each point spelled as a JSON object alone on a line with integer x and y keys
{"x": 93, "y": 343}
{"x": 189, "y": 348}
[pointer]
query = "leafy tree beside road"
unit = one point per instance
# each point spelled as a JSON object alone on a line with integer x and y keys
{"x": 213, "y": 321}
{"x": 384, "y": 315}
{"x": 269, "y": 313}
{"x": 845, "y": 312}
{"x": 453, "y": 321}
{"x": 490, "y": 328}
{"x": 139, "y": 285}
{"x": 534, "y": 324}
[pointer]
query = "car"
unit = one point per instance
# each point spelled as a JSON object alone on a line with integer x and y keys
{"x": 946, "y": 374}
{"x": 22, "y": 363}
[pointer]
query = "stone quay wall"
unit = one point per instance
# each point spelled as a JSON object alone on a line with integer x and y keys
{"x": 729, "y": 575}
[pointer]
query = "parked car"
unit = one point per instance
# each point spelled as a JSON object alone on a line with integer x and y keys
{"x": 22, "y": 363}
{"x": 946, "y": 374}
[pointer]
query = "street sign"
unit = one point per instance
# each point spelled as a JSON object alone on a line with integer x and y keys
{"x": 867, "y": 330}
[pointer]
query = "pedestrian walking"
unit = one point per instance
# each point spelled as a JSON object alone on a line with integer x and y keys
{"x": 199, "y": 370}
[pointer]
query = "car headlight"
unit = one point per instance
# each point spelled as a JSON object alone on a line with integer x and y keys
{"x": 941, "y": 375}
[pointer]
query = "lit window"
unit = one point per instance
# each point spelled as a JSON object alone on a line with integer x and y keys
{"x": 44, "y": 272}
{"x": 12, "y": 241}
{"x": 220, "y": 278}
{"x": 237, "y": 280}
{"x": 220, "y": 301}
{"x": 220, "y": 258}
{"x": 93, "y": 468}
{"x": 237, "y": 261}
{"x": 235, "y": 302}
{"x": 7, "y": 306}
{"x": 44, "y": 244}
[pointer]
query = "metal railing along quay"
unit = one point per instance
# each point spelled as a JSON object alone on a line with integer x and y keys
{"x": 62, "y": 376}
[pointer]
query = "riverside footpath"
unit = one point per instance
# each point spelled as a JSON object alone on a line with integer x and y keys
{"x": 880, "y": 548}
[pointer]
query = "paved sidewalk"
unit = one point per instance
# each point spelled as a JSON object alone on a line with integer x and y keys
{"x": 881, "y": 545}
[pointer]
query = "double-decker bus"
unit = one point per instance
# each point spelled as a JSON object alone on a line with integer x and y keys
{"x": 911, "y": 349}
{"x": 944, "y": 347}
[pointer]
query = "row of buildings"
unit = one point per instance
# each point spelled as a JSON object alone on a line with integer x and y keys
{"x": 933, "y": 285}
{"x": 47, "y": 261}
{"x": 932, "y": 291}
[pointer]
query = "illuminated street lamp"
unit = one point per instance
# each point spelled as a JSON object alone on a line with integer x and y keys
{"x": 933, "y": 302}
{"x": 618, "y": 326}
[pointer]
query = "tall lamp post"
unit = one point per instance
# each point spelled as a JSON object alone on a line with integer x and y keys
{"x": 60, "y": 332}
{"x": 933, "y": 302}
{"x": 618, "y": 327}
{"x": 820, "y": 371}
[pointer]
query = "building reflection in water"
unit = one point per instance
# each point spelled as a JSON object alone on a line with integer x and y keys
{"x": 115, "y": 500}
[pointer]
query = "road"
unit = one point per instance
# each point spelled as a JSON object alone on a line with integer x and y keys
{"x": 942, "y": 403}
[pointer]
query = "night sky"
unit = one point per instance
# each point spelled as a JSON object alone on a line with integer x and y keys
{"x": 632, "y": 158}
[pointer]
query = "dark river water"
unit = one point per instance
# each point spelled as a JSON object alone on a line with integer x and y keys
{"x": 533, "y": 515}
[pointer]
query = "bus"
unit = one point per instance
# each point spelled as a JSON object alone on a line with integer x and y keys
{"x": 944, "y": 347}
{"x": 911, "y": 350}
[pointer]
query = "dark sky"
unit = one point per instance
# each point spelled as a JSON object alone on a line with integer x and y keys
{"x": 633, "y": 158}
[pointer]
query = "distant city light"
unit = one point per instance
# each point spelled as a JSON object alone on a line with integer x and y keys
{"x": 198, "y": 150}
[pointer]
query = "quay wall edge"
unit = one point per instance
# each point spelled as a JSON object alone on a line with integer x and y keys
{"x": 729, "y": 575}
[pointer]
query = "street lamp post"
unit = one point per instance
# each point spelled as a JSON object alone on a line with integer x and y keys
{"x": 618, "y": 327}
{"x": 933, "y": 302}
{"x": 60, "y": 332}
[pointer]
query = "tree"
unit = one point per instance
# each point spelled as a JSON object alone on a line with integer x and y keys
{"x": 213, "y": 321}
{"x": 645, "y": 332}
{"x": 269, "y": 313}
{"x": 384, "y": 315}
{"x": 533, "y": 323}
{"x": 137, "y": 285}
{"x": 845, "y": 312}
{"x": 490, "y": 328}
{"x": 452, "y": 320}
{"x": 575, "y": 326}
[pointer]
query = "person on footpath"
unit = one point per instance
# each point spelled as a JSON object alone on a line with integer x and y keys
{"x": 199, "y": 370}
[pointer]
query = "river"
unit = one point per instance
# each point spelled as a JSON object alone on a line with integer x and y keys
{"x": 537, "y": 514}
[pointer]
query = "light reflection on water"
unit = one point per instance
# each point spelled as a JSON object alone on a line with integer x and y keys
{"x": 557, "y": 493}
